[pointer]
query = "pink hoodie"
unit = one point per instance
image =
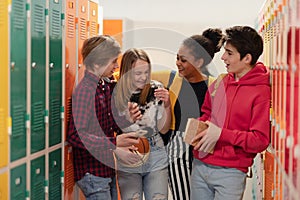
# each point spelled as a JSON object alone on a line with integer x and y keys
{"x": 241, "y": 108}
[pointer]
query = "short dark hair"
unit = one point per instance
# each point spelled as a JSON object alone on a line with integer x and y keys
{"x": 246, "y": 40}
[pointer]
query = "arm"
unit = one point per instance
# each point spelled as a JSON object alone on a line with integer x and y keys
{"x": 84, "y": 130}
{"x": 206, "y": 108}
{"x": 165, "y": 122}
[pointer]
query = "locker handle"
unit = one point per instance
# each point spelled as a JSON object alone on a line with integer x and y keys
{"x": 13, "y": 64}
{"x": 33, "y": 65}
{"x": 18, "y": 181}
{"x": 297, "y": 151}
{"x": 51, "y": 65}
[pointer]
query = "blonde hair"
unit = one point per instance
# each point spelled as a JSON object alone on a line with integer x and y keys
{"x": 125, "y": 86}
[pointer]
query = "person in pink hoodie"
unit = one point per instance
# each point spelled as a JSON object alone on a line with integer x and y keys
{"x": 236, "y": 110}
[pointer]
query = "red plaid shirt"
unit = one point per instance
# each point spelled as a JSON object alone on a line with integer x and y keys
{"x": 92, "y": 144}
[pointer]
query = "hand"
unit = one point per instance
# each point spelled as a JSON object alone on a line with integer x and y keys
{"x": 134, "y": 112}
{"x": 208, "y": 138}
{"x": 163, "y": 94}
{"x": 128, "y": 157}
{"x": 127, "y": 139}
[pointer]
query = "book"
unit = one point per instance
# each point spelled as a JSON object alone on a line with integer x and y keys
{"x": 192, "y": 127}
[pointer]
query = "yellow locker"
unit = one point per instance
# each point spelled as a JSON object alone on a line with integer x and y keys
{"x": 3, "y": 186}
{"x": 4, "y": 82}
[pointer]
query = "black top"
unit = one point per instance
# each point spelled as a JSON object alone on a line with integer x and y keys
{"x": 189, "y": 102}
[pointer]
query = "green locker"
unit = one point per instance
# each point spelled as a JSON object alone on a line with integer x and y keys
{"x": 18, "y": 183}
{"x": 37, "y": 177}
{"x": 55, "y": 79}
{"x": 18, "y": 31}
{"x": 38, "y": 74}
{"x": 55, "y": 162}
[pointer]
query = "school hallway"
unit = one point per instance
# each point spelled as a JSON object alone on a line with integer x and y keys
{"x": 41, "y": 64}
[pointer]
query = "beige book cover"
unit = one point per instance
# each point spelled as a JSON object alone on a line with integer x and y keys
{"x": 192, "y": 127}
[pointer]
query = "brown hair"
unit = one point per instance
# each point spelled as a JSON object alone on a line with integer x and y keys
{"x": 99, "y": 50}
{"x": 246, "y": 40}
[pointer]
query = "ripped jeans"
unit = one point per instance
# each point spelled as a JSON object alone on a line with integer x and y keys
{"x": 154, "y": 184}
{"x": 96, "y": 188}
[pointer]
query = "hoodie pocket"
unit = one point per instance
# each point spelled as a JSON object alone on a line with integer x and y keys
{"x": 228, "y": 152}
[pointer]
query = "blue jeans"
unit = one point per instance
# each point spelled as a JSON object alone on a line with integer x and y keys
{"x": 154, "y": 184}
{"x": 97, "y": 188}
{"x": 210, "y": 182}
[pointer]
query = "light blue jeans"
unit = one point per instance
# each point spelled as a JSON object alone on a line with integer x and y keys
{"x": 154, "y": 184}
{"x": 210, "y": 182}
{"x": 97, "y": 188}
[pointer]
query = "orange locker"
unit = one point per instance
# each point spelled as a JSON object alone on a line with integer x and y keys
{"x": 82, "y": 33}
{"x": 70, "y": 72}
{"x": 269, "y": 176}
{"x": 93, "y": 19}
{"x": 114, "y": 27}
{"x": 70, "y": 78}
{"x": 69, "y": 174}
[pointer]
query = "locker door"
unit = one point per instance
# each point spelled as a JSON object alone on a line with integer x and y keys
{"x": 38, "y": 74}
{"x": 82, "y": 33}
{"x": 55, "y": 79}
{"x": 70, "y": 75}
{"x": 18, "y": 183}
{"x": 69, "y": 174}
{"x": 70, "y": 53}
{"x": 3, "y": 83}
{"x": 18, "y": 73}
{"x": 55, "y": 163}
{"x": 37, "y": 178}
{"x": 114, "y": 27}
{"x": 93, "y": 19}
{"x": 3, "y": 186}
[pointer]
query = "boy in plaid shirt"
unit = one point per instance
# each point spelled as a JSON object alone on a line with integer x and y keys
{"x": 92, "y": 126}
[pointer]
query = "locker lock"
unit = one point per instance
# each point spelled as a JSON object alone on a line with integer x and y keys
{"x": 67, "y": 66}
{"x": 33, "y": 65}
{"x": 51, "y": 65}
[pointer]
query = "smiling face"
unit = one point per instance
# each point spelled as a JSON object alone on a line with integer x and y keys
{"x": 186, "y": 63}
{"x": 234, "y": 63}
{"x": 141, "y": 73}
{"x": 110, "y": 68}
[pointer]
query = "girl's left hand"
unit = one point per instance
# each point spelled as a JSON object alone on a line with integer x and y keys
{"x": 163, "y": 94}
